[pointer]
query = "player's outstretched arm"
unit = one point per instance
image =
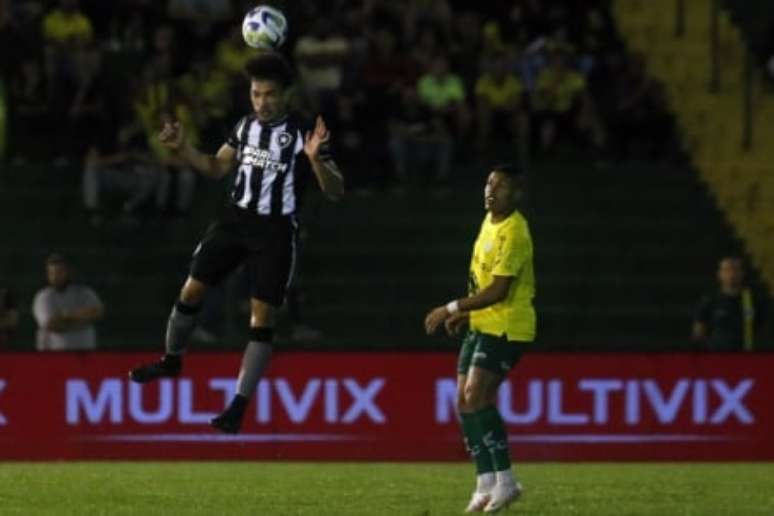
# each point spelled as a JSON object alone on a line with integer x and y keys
{"x": 325, "y": 169}
{"x": 172, "y": 136}
{"x": 489, "y": 296}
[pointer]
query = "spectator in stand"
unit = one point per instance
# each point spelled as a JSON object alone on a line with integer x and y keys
{"x": 30, "y": 112}
{"x": 500, "y": 106}
{"x": 385, "y": 73}
{"x": 443, "y": 92}
{"x": 67, "y": 27}
{"x": 9, "y": 316}
{"x": 420, "y": 142}
{"x": 563, "y": 108}
{"x": 159, "y": 98}
{"x": 320, "y": 56}
{"x": 88, "y": 109}
{"x": 65, "y": 311}
{"x": 731, "y": 318}
{"x": 465, "y": 47}
{"x": 129, "y": 168}
{"x": 66, "y": 31}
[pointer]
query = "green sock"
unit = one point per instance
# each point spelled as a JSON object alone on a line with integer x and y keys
{"x": 475, "y": 444}
{"x": 494, "y": 437}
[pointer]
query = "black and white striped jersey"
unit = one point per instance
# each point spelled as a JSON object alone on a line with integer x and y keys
{"x": 273, "y": 169}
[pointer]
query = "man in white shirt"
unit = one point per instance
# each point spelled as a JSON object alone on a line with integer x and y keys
{"x": 65, "y": 311}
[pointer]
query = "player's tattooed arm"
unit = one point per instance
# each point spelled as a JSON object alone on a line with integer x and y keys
{"x": 172, "y": 136}
{"x": 325, "y": 169}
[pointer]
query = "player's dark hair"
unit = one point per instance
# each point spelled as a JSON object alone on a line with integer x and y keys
{"x": 514, "y": 173}
{"x": 508, "y": 169}
{"x": 57, "y": 259}
{"x": 270, "y": 66}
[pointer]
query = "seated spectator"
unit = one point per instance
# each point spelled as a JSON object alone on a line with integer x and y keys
{"x": 66, "y": 31}
{"x": 563, "y": 107}
{"x": 420, "y": 142}
{"x": 128, "y": 168}
{"x": 30, "y": 112}
{"x": 67, "y": 26}
{"x": 444, "y": 93}
{"x": 65, "y": 311}
{"x": 320, "y": 56}
{"x": 157, "y": 99}
{"x": 500, "y": 104}
{"x": 732, "y": 317}
{"x": 87, "y": 111}
{"x": 9, "y": 316}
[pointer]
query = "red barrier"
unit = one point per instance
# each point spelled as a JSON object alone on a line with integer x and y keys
{"x": 388, "y": 406}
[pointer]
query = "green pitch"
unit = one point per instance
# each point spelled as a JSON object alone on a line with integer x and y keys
{"x": 112, "y": 488}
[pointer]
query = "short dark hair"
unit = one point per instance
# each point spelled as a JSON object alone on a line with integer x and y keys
{"x": 509, "y": 169}
{"x": 57, "y": 259}
{"x": 270, "y": 66}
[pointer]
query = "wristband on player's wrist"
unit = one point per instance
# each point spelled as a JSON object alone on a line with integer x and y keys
{"x": 453, "y": 307}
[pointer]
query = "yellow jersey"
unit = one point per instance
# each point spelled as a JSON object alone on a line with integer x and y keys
{"x": 504, "y": 249}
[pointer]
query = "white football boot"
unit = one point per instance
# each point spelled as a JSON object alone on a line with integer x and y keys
{"x": 478, "y": 501}
{"x": 502, "y": 496}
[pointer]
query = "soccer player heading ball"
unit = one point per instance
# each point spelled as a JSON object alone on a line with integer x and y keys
{"x": 502, "y": 321}
{"x": 274, "y": 153}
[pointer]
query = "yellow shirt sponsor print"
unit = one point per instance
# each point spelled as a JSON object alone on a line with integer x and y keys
{"x": 504, "y": 249}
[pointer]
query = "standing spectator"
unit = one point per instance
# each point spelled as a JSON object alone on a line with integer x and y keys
{"x": 732, "y": 317}
{"x": 9, "y": 316}
{"x": 65, "y": 311}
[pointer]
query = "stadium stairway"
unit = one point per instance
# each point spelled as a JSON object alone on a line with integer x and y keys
{"x": 619, "y": 258}
{"x": 741, "y": 181}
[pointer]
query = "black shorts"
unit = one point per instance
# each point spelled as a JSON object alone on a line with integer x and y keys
{"x": 266, "y": 245}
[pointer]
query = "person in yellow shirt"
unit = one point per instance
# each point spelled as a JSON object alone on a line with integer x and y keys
{"x": 67, "y": 25}
{"x": 500, "y": 106}
{"x": 502, "y": 322}
{"x": 563, "y": 106}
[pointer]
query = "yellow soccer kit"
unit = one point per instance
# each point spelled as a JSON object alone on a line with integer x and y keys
{"x": 504, "y": 249}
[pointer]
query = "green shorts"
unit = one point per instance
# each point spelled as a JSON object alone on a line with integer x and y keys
{"x": 496, "y": 354}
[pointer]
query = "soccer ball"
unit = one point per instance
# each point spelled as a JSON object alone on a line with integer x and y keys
{"x": 265, "y": 27}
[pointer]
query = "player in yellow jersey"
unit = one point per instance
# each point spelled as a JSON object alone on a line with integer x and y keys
{"x": 501, "y": 317}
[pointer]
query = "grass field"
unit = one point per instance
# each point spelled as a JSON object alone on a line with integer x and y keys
{"x": 197, "y": 488}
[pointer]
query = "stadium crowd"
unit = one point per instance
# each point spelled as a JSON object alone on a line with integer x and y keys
{"x": 406, "y": 85}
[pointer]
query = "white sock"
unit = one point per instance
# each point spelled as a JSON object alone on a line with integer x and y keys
{"x": 485, "y": 482}
{"x": 505, "y": 477}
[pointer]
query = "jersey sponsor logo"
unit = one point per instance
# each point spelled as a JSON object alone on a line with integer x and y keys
{"x": 255, "y": 157}
{"x": 479, "y": 355}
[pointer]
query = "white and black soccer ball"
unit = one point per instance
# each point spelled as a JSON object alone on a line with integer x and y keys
{"x": 265, "y": 27}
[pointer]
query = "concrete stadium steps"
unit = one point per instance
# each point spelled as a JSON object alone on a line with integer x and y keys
{"x": 712, "y": 123}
